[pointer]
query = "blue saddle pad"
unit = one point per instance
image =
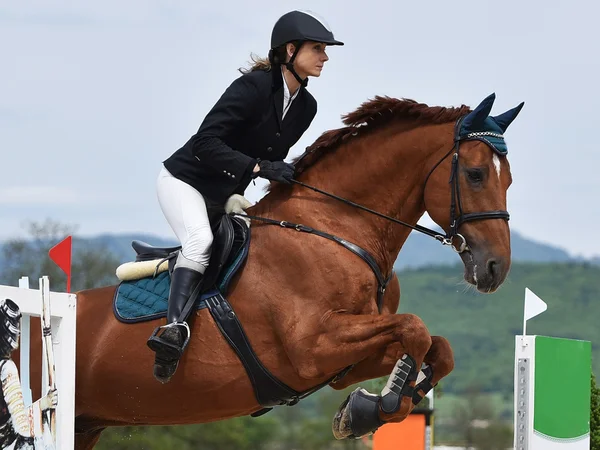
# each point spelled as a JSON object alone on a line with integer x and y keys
{"x": 147, "y": 298}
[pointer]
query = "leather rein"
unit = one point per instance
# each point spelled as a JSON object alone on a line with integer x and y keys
{"x": 455, "y": 202}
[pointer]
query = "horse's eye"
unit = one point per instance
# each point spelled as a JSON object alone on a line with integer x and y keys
{"x": 475, "y": 175}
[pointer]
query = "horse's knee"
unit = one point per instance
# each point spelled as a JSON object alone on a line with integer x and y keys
{"x": 414, "y": 335}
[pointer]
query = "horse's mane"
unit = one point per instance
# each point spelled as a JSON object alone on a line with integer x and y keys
{"x": 372, "y": 115}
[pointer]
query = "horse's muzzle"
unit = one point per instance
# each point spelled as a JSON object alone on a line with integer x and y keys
{"x": 485, "y": 271}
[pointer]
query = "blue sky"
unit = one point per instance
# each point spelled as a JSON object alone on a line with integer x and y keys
{"x": 94, "y": 95}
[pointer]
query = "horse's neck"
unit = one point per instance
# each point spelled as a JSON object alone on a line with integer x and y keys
{"x": 384, "y": 171}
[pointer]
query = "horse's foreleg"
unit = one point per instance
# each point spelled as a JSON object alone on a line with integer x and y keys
{"x": 350, "y": 419}
{"x": 348, "y": 339}
{"x": 439, "y": 358}
{"x": 440, "y": 362}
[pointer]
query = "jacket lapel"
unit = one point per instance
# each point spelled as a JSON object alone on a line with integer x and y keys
{"x": 278, "y": 103}
{"x": 277, "y": 89}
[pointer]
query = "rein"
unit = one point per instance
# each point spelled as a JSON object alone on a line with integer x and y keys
{"x": 455, "y": 203}
{"x": 429, "y": 232}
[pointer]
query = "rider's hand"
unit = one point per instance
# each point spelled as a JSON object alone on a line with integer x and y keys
{"x": 276, "y": 171}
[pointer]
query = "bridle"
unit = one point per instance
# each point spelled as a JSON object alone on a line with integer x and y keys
{"x": 456, "y": 220}
{"x": 457, "y": 215}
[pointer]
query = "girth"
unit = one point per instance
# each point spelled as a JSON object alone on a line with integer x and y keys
{"x": 269, "y": 391}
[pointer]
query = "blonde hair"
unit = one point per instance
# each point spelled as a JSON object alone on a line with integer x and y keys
{"x": 279, "y": 56}
{"x": 257, "y": 63}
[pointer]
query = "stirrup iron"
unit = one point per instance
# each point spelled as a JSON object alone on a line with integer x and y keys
{"x": 155, "y": 337}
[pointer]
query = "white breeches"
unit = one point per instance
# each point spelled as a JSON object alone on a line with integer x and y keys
{"x": 185, "y": 210}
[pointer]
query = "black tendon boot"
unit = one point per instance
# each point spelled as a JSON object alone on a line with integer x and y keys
{"x": 171, "y": 343}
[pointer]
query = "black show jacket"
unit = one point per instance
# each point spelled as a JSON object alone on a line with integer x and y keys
{"x": 244, "y": 124}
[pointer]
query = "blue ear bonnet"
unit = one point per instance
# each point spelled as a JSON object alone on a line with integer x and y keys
{"x": 489, "y": 132}
{"x": 479, "y": 125}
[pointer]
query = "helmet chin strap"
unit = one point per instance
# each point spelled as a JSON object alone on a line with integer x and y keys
{"x": 290, "y": 66}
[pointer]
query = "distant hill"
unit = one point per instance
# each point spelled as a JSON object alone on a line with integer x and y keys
{"x": 120, "y": 244}
{"x": 418, "y": 251}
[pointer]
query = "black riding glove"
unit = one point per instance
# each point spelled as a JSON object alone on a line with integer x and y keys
{"x": 276, "y": 170}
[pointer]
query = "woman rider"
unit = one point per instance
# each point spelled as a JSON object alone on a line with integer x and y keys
{"x": 247, "y": 134}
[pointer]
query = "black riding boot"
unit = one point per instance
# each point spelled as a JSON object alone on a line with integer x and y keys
{"x": 171, "y": 343}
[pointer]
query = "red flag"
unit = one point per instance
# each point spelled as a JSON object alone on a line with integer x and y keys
{"x": 61, "y": 255}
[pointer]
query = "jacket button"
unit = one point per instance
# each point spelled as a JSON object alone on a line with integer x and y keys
{"x": 277, "y": 134}
{"x": 270, "y": 149}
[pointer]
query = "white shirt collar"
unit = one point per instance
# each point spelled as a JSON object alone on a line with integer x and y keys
{"x": 287, "y": 100}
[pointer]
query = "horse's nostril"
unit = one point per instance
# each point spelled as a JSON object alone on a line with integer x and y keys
{"x": 493, "y": 266}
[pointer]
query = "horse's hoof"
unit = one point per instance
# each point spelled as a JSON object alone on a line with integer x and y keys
{"x": 341, "y": 421}
{"x": 358, "y": 416}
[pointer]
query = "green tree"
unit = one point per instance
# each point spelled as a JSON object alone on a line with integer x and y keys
{"x": 497, "y": 435}
{"x": 477, "y": 424}
{"x": 91, "y": 266}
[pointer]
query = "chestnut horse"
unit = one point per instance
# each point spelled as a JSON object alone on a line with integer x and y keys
{"x": 307, "y": 304}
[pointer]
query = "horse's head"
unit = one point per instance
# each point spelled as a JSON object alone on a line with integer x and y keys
{"x": 465, "y": 194}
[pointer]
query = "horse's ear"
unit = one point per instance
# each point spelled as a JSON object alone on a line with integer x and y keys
{"x": 476, "y": 117}
{"x": 505, "y": 119}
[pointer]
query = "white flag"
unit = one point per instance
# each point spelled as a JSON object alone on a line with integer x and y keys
{"x": 533, "y": 305}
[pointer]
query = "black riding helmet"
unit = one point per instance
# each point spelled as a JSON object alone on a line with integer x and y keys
{"x": 299, "y": 26}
